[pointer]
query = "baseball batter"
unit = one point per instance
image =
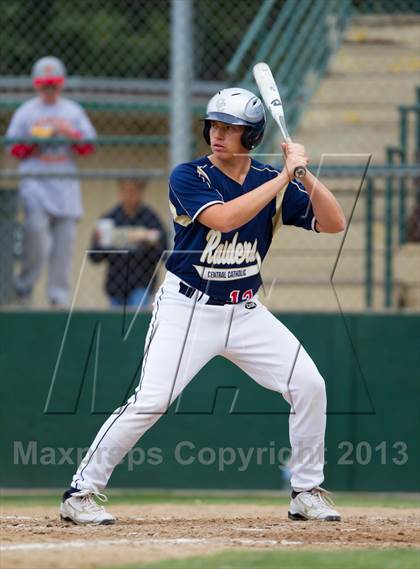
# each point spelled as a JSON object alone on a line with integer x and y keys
{"x": 226, "y": 207}
{"x": 52, "y": 204}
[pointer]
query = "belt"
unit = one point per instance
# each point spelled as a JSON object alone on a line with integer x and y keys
{"x": 189, "y": 291}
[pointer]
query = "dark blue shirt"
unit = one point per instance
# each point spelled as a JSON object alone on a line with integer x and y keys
{"x": 136, "y": 268}
{"x": 227, "y": 265}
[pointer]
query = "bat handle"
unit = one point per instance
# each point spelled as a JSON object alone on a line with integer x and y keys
{"x": 300, "y": 172}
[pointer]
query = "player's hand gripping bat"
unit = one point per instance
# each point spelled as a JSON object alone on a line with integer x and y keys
{"x": 271, "y": 97}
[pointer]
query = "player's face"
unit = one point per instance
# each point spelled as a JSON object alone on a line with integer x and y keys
{"x": 225, "y": 139}
{"x": 50, "y": 93}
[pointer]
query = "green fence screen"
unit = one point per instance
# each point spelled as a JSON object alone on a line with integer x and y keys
{"x": 215, "y": 436}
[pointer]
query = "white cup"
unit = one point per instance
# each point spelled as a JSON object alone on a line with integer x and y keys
{"x": 105, "y": 229}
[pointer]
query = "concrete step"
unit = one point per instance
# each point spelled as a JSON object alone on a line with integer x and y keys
{"x": 348, "y": 138}
{"x": 409, "y": 296}
{"x": 311, "y": 297}
{"x": 407, "y": 264}
{"x": 357, "y": 58}
{"x": 347, "y": 114}
{"x": 366, "y": 89}
{"x": 295, "y": 267}
{"x": 288, "y": 238}
{"x": 355, "y": 108}
{"x": 300, "y": 280}
{"x": 391, "y": 30}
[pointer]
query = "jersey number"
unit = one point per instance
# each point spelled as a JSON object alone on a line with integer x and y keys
{"x": 234, "y": 295}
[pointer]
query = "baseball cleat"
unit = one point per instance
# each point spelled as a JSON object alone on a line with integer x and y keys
{"x": 80, "y": 507}
{"x": 313, "y": 505}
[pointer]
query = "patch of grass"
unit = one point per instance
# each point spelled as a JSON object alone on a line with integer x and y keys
{"x": 147, "y": 497}
{"x": 352, "y": 559}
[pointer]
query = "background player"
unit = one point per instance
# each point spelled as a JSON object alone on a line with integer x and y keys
{"x": 129, "y": 275}
{"x": 225, "y": 208}
{"x": 51, "y": 204}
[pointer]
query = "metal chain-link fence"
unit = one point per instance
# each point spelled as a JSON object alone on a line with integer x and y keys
{"x": 120, "y": 70}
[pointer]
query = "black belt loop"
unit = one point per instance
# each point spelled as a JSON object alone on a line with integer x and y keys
{"x": 189, "y": 291}
{"x": 186, "y": 290}
{"x": 216, "y": 302}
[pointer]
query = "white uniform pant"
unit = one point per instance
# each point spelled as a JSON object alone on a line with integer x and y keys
{"x": 184, "y": 334}
{"x": 46, "y": 239}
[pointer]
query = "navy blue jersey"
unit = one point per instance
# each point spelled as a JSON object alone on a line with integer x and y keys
{"x": 227, "y": 265}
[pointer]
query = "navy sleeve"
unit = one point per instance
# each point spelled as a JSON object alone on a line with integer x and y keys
{"x": 191, "y": 191}
{"x": 296, "y": 207}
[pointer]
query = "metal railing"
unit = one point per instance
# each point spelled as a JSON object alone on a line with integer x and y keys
{"x": 297, "y": 46}
{"x": 107, "y": 140}
{"x": 398, "y": 156}
{"x": 297, "y": 38}
{"x": 402, "y": 151}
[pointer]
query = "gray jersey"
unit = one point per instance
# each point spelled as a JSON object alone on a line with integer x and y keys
{"x": 58, "y": 195}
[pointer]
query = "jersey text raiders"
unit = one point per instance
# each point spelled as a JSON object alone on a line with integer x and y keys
{"x": 227, "y": 265}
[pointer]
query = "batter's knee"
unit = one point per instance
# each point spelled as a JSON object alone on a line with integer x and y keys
{"x": 310, "y": 383}
{"x": 152, "y": 406}
{"x": 317, "y": 385}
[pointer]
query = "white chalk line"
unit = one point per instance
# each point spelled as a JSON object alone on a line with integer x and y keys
{"x": 23, "y": 526}
{"x": 16, "y": 518}
{"x": 79, "y": 544}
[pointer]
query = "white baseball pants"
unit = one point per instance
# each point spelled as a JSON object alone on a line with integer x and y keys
{"x": 184, "y": 334}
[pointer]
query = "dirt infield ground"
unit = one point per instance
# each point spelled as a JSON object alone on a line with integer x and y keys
{"x": 32, "y": 536}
